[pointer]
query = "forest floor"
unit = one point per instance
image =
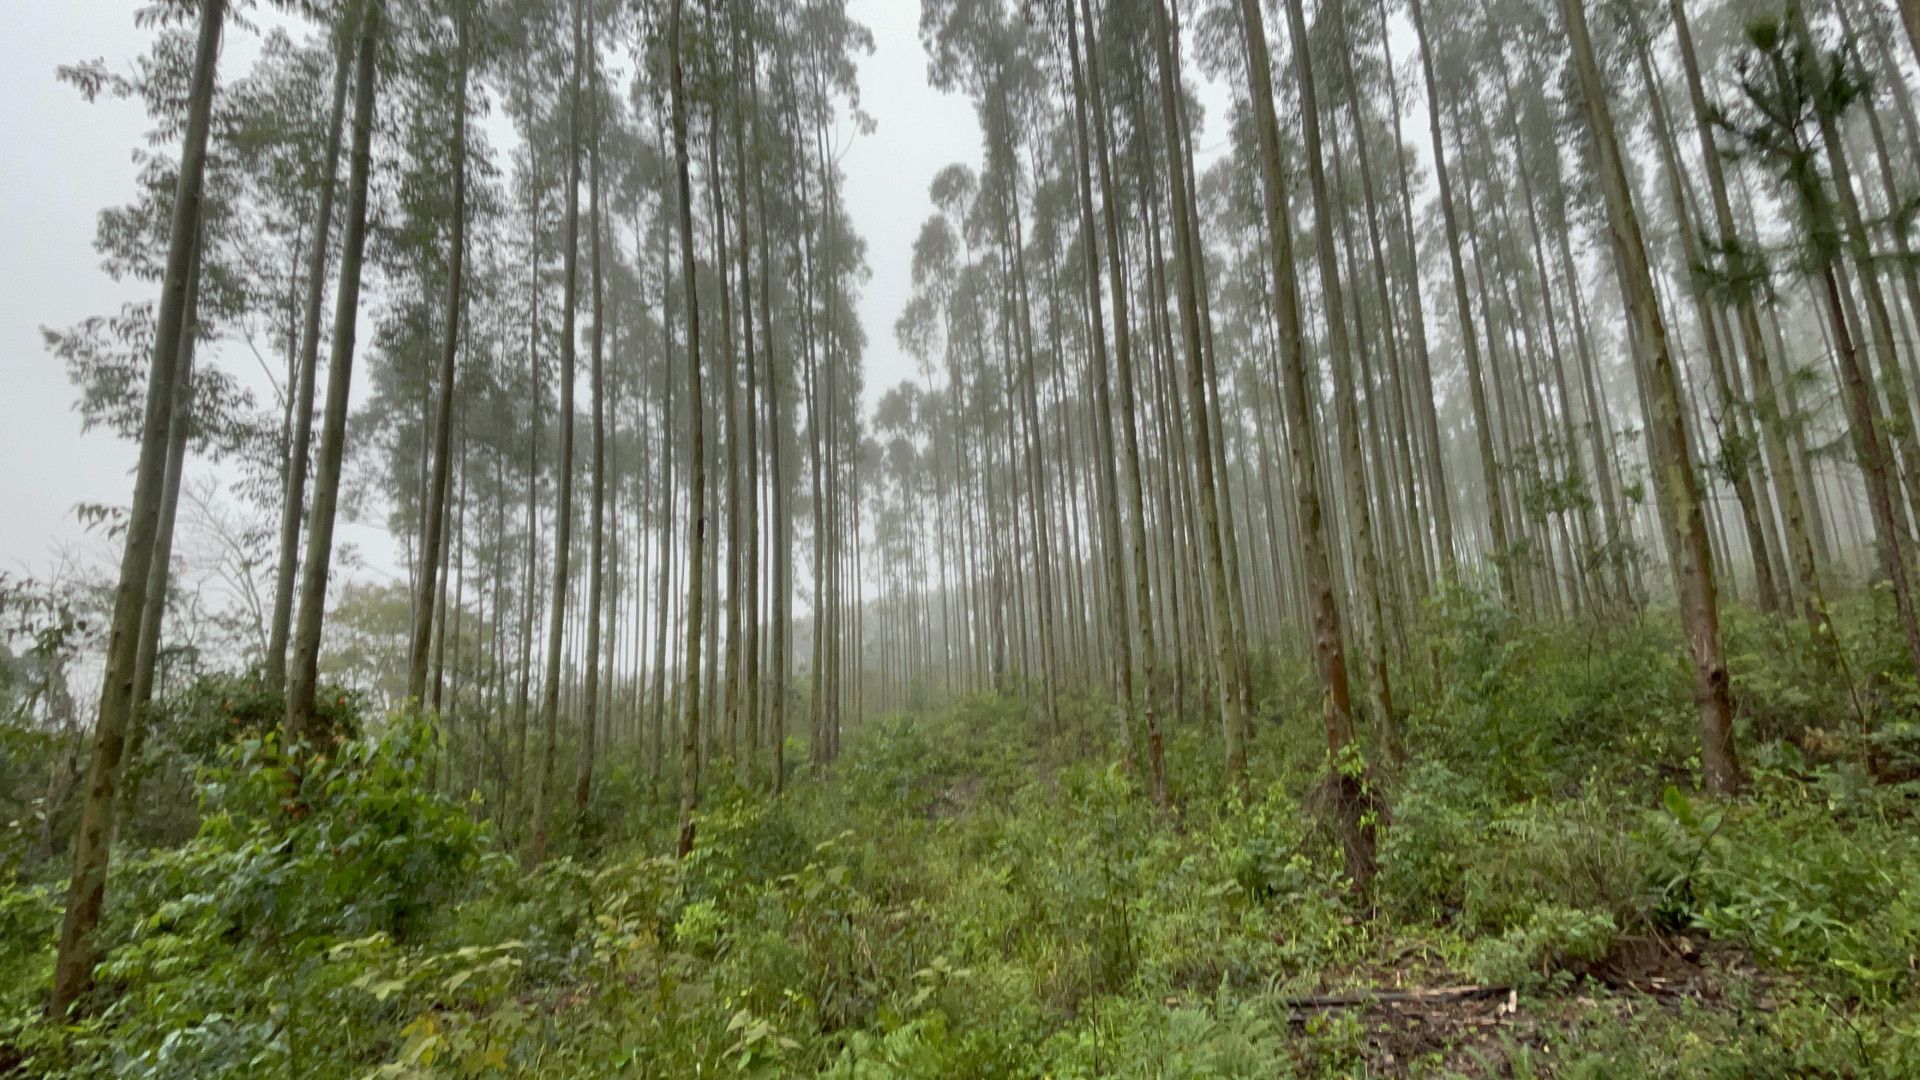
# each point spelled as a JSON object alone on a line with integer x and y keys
{"x": 960, "y": 896}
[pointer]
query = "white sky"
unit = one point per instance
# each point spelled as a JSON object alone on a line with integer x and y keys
{"x": 65, "y": 160}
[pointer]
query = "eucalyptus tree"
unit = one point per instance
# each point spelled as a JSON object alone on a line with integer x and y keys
{"x": 73, "y": 964}
{"x": 1229, "y": 667}
{"x": 563, "y": 479}
{"x": 696, "y": 443}
{"x": 1345, "y": 795}
{"x": 301, "y": 392}
{"x": 1128, "y": 414}
{"x": 303, "y": 673}
{"x": 587, "y": 40}
{"x": 1793, "y": 94}
{"x": 433, "y": 516}
{"x": 1340, "y": 350}
{"x": 767, "y": 133}
{"x": 1669, "y": 440}
{"x": 1131, "y": 684}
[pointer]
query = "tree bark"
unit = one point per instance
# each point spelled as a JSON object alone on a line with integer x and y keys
{"x": 696, "y": 451}
{"x": 563, "y": 478}
{"x": 1344, "y": 805}
{"x": 293, "y": 498}
{"x": 1128, "y": 419}
{"x": 86, "y": 894}
{"x": 435, "y": 515}
{"x": 1227, "y": 667}
{"x": 592, "y": 703}
{"x": 303, "y": 676}
{"x": 1672, "y": 457}
{"x": 1469, "y": 342}
{"x": 1366, "y": 556}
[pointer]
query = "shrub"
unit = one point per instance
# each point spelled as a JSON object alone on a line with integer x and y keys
{"x": 249, "y": 950}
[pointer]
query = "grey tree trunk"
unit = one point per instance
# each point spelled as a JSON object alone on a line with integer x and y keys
{"x": 293, "y": 499}
{"x": 1469, "y": 341}
{"x": 303, "y": 676}
{"x": 1345, "y": 392}
{"x": 1344, "y": 804}
{"x": 86, "y": 893}
{"x": 1672, "y": 457}
{"x": 1128, "y": 420}
{"x": 1226, "y": 662}
{"x": 1106, "y": 473}
{"x": 436, "y": 508}
{"x": 696, "y": 451}
{"x": 153, "y": 618}
{"x": 596, "y": 535}
{"x": 563, "y": 478}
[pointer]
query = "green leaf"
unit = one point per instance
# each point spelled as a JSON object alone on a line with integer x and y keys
{"x": 1680, "y": 807}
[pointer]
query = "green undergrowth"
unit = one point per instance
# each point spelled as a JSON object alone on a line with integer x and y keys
{"x": 958, "y": 897}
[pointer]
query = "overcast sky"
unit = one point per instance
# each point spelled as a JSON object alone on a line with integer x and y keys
{"x": 65, "y": 160}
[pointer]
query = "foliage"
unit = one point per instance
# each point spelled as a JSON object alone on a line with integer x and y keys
{"x": 937, "y": 906}
{"x": 273, "y": 939}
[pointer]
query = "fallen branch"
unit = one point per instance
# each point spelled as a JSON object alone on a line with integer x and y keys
{"x": 1439, "y": 995}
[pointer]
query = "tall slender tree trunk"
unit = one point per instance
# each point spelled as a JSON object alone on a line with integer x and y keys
{"x": 293, "y": 495}
{"x": 1226, "y": 662}
{"x": 303, "y": 674}
{"x": 592, "y": 702}
{"x": 435, "y": 515}
{"x": 780, "y": 652}
{"x": 1672, "y": 463}
{"x": 1366, "y": 555}
{"x": 146, "y": 660}
{"x": 1344, "y": 805}
{"x": 663, "y": 576}
{"x": 1469, "y": 340}
{"x": 530, "y": 587}
{"x": 1106, "y": 472}
{"x": 86, "y": 894}
{"x": 747, "y": 694}
{"x": 1423, "y": 394}
{"x": 1128, "y": 421}
{"x": 563, "y": 478}
{"x": 696, "y": 450}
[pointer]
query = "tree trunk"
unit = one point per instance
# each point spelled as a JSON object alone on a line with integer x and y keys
{"x": 435, "y": 515}
{"x": 1128, "y": 422}
{"x": 563, "y": 478}
{"x": 1672, "y": 457}
{"x": 596, "y": 531}
{"x": 73, "y": 965}
{"x": 1345, "y": 392}
{"x": 1344, "y": 804}
{"x": 153, "y": 617}
{"x": 1469, "y": 342}
{"x": 696, "y": 452}
{"x": 1226, "y": 662}
{"x": 303, "y": 676}
{"x": 293, "y": 498}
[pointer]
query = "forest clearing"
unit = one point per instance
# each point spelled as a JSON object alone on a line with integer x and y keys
{"x": 910, "y": 539}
